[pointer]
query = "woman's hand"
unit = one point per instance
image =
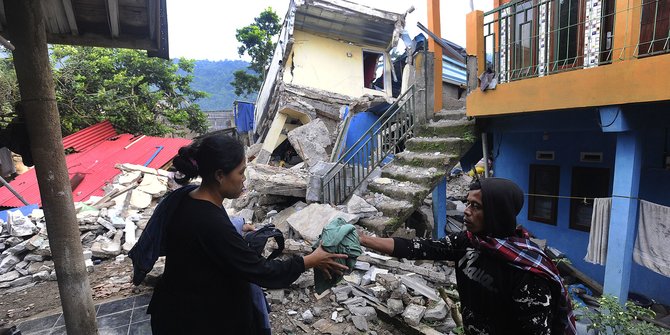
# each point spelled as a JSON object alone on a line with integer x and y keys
{"x": 325, "y": 261}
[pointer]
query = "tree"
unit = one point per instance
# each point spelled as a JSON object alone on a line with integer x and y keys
{"x": 138, "y": 94}
{"x": 9, "y": 91}
{"x": 256, "y": 40}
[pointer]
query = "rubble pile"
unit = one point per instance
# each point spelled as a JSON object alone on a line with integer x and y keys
{"x": 380, "y": 289}
{"x": 109, "y": 227}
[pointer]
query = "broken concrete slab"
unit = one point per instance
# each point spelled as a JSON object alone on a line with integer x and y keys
{"x": 311, "y": 141}
{"x": 369, "y": 313}
{"x": 437, "y": 312}
{"x": 9, "y": 276}
{"x": 413, "y": 314}
{"x": 20, "y": 225}
{"x": 266, "y": 179}
{"x": 415, "y": 284}
{"x": 316, "y": 174}
{"x": 154, "y": 185}
{"x": 280, "y": 220}
{"x": 309, "y": 222}
{"x": 357, "y": 205}
{"x": 395, "y": 306}
{"x": 139, "y": 199}
{"x": 8, "y": 263}
{"x": 360, "y": 323}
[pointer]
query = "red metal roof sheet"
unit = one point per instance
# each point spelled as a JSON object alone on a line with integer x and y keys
{"x": 97, "y": 165}
{"x": 89, "y": 136}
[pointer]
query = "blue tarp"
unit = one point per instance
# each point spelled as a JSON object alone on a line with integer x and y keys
{"x": 25, "y": 210}
{"x": 244, "y": 116}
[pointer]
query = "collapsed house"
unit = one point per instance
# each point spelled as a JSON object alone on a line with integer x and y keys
{"x": 329, "y": 54}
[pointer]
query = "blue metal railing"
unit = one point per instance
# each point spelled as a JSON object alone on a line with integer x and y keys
{"x": 370, "y": 150}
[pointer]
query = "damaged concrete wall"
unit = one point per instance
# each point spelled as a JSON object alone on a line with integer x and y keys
{"x": 327, "y": 64}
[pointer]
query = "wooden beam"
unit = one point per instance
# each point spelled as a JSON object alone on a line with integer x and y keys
{"x": 3, "y": 18}
{"x": 38, "y": 106}
{"x": 71, "y": 20}
{"x": 152, "y": 14}
{"x": 128, "y": 42}
{"x": 113, "y": 17}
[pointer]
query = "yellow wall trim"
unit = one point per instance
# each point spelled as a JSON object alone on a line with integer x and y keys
{"x": 632, "y": 81}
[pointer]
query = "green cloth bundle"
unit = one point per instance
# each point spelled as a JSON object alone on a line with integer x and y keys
{"x": 337, "y": 237}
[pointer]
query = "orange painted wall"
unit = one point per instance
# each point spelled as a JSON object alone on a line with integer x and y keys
{"x": 632, "y": 81}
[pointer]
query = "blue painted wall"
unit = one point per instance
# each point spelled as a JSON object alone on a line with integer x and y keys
{"x": 514, "y": 149}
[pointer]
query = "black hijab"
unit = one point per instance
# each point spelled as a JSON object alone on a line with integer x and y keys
{"x": 502, "y": 200}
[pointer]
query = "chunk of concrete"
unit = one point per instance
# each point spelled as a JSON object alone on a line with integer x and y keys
{"x": 436, "y": 313}
{"x": 395, "y": 306}
{"x": 389, "y": 281}
{"x": 358, "y": 205}
{"x": 307, "y": 317}
{"x": 266, "y": 179}
{"x": 130, "y": 237}
{"x": 20, "y": 225}
{"x": 8, "y": 263}
{"x": 311, "y": 141}
{"x": 41, "y": 276}
{"x": 126, "y": 178}
{"x": 9, "y": 276}
{"x": 413, "y": 314}
{"x": 414, "y": 283}
{"x": 154, "y": 185}
{"x": 310, "y": 221}
{"x": 360, "y": 323}
{"x": 369, "y": 313}
{"x": 279, "y": 220}
{"x": 139, "y": 199}
{"x": 314, "y": 185}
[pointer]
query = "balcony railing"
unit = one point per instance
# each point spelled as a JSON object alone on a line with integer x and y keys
{"x": 533, "y": 38}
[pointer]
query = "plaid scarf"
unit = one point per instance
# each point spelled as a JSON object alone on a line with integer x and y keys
{"x": 523, "y": 254}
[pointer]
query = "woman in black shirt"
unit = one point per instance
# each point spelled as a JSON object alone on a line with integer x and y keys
{"x": 205, "y": 287}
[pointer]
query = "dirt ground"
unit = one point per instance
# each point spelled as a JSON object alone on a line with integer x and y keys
{"x": 111, "y": 281}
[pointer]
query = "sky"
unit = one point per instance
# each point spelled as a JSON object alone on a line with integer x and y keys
{"x": 205, "y": 29}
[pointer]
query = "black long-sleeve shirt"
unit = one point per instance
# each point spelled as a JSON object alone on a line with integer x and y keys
{"x": 496, "y": 298}
{"x": 205, "y": 285}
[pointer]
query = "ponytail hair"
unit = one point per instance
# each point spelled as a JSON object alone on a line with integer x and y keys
{"x": 203, "y": 157}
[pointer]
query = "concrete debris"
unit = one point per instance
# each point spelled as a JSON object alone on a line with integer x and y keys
{"x": 268, "y": 179}
{"x": 309, "y": 222}
{"x": 437, "y": 312}
{"x": 357, "y": 205}
{"x": 413, "y": 314}
{"x": 19, "y": 225}
{"x": 311, "y": 141}
{"x": 316, "y": 174}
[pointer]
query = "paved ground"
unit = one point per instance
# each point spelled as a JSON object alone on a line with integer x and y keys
{"x": 120, "y": 317}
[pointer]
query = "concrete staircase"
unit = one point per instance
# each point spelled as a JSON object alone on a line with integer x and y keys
{"x": 433, "y": 151}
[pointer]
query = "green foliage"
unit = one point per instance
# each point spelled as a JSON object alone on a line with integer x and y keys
{"x": 9, "y": 91}
{"x": 136, "y": 93}
{"x": 214, "y": 77}
{"x": 256, "y": 42}
{"x": 621, "y": 321}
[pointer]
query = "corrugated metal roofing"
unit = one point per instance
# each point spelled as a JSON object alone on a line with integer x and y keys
{"x": 97, "y": 165}
{"x": 90, "y": 136}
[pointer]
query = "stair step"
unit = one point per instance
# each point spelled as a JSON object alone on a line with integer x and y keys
{"x": 419, "y": 175}
{"x": 448, "y": 128}
{"x": 392, "y": 207}
{"x": 451, "y": 103}
{"x": 452, "y": 145}
{"x": 383, "y": 226}
{"x": 454, "y": 114}
{"x": 403, "y": 190}
{"x": 425, "y": 159}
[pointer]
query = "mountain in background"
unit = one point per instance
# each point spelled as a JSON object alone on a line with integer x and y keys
{"x": 214, "y": 77}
